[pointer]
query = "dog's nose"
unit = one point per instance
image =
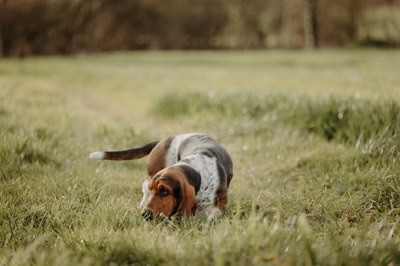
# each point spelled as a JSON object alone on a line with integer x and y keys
{"x": 147, "y": 214}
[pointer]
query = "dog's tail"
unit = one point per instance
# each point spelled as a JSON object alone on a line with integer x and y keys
{"x": 131, "y": 154}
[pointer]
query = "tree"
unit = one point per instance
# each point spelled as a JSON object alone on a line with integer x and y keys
{"x": 310, "y": 24}
{"x": 2, "y": 7}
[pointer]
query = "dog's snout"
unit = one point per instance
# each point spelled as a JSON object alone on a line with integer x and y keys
{"x": 147, "y": 214}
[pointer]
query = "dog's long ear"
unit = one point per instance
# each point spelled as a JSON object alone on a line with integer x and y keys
{"x": 187, "y": 202}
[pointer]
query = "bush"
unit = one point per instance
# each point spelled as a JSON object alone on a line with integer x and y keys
{"x": 371, "y": 126}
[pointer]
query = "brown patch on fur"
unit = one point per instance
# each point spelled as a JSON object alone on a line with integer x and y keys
{"x": 188, "y": 201}
{"x": 180, "y": 197}
{"x": 157, "y": 157}
{"x": 221, "y": 199}
{"x": 160, "y": 203}
{"x": 131, "y": 154}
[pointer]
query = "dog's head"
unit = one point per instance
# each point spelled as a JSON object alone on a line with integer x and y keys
{"x": 170, "y": 194}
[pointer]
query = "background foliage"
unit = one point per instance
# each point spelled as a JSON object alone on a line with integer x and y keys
{"x": 64, "y": 26}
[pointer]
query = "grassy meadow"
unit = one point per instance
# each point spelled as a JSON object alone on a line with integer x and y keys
{"x": 314, "y": 137}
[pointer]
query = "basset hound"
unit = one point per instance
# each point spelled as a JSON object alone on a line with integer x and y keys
{"x": 187, "y": 173}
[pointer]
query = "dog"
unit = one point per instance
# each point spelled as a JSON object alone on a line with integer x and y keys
{"x": 187, "y": 174}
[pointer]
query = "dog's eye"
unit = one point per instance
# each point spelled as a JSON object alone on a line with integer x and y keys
{"x": 163, "y": 192}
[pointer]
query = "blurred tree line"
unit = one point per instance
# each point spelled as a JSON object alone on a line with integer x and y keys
{"x": 71, "y": 26}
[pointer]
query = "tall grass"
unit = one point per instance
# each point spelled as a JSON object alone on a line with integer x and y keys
{"x": 360, "y": 183}
{"x": 316, "y": 177}
{"x": 351, "y": 121}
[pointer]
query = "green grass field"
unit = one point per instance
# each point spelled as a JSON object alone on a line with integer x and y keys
{"x": 314, "y": 136}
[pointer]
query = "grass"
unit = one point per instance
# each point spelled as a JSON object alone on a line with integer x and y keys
{"x": 314, "y": 138}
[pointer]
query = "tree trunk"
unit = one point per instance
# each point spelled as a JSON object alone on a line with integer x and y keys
{"x": 2, "y": 7}
{"x": 1, "y": 41}
{"x": 310, "y": 24}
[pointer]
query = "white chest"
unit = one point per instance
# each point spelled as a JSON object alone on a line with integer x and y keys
{"x": 207, "y": 168}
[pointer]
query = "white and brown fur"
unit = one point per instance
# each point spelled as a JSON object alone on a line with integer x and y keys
{"x": 186, "y": 173}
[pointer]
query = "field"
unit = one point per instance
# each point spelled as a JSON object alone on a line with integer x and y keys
{"x": 314, "y": 136}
